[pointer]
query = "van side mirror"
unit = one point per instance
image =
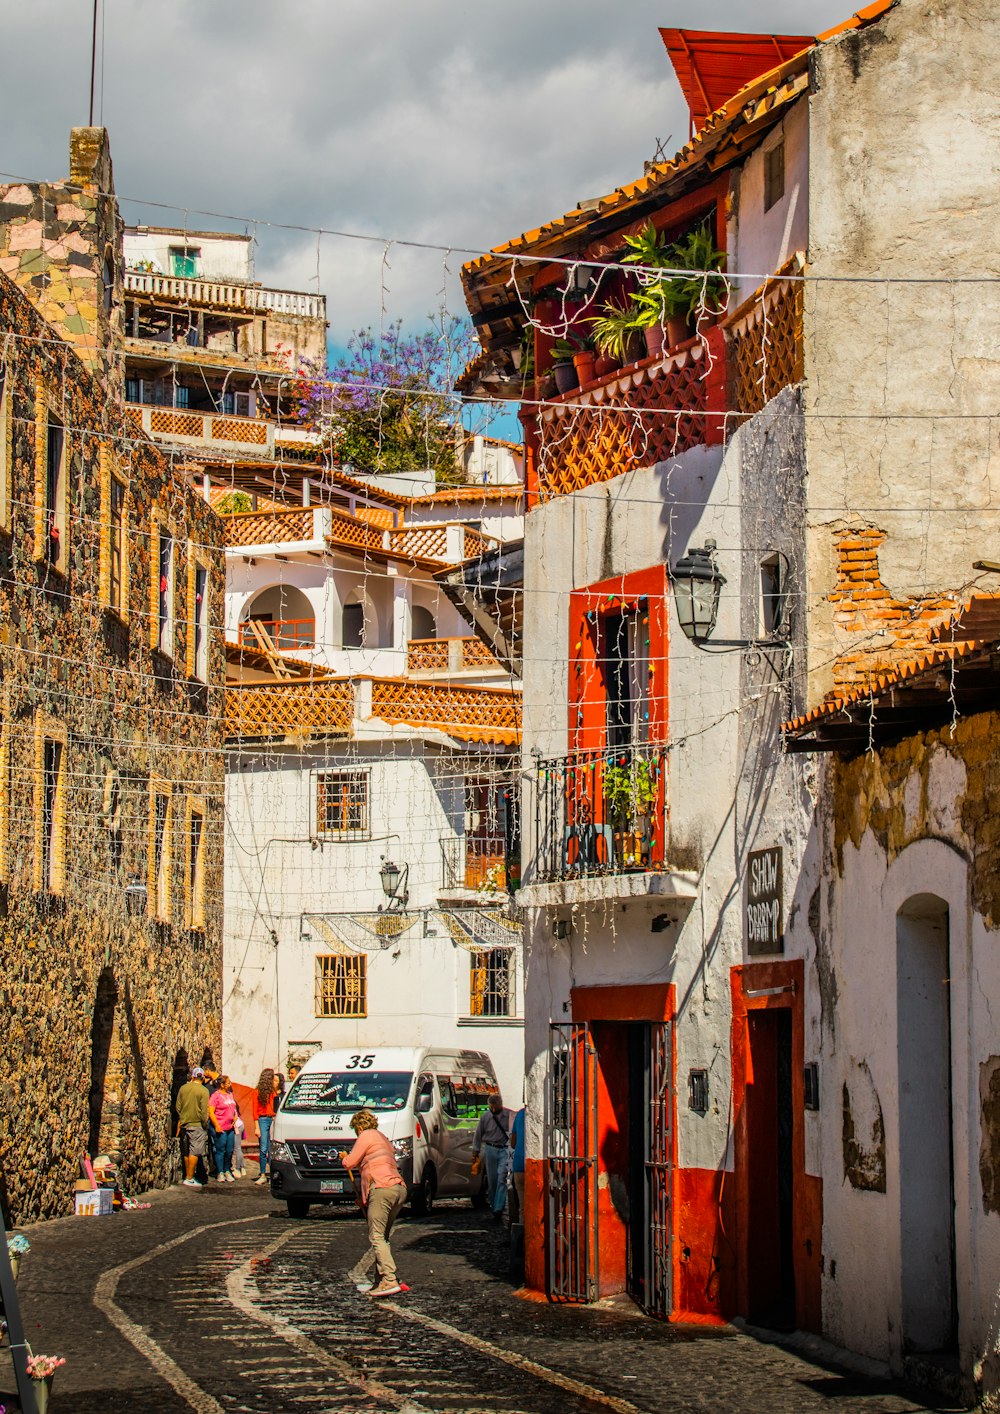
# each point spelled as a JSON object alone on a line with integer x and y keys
{"x": 425, "y": 1101}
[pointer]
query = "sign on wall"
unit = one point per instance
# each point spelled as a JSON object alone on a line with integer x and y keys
{"x": 764, "y": 920}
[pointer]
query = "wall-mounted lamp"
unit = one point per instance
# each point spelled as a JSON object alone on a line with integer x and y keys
{"x": 697, "y": 584}
{"x": 394, "y": 883}
{"x": 135, "y": 897}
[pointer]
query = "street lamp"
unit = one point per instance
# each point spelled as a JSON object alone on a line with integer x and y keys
{"x": 697, "y": 582}
{"x": 394, "y": 882}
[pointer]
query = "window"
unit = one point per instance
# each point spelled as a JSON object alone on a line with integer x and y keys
{"x": 774, "y": 174}
{"x": 491, "y": 982}
{"x": 234, "y": 404}
{"x": 161, "y": 608}
{"x": 772, "y": 593}
{"x": 194, "y": 875}
{"x": 342, "y": 804}
{"x": 354, "y": 625}
{"x": 114, "y": 537}
{"x": 50, "y": 806}
{"x": 184, "y": 261}
{"x": 197, "y": 615}
{"x": 160, "y": 843}
{"x": 6, "y": 445}
{"x": 625, "y": 666}
{"x": 51, "y": 486}
{"x": 108, "y": 280}
{"x": 341, "y": 984}
{"x": 133, "y": 390}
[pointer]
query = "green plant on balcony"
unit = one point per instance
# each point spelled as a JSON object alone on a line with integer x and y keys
{"x": 614, "y": 331}
{"x": 630, "y": 791}
{"x": 670, "y": 303}
{"x": 234, "y": 503}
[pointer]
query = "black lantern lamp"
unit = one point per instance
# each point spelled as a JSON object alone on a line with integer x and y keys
{"x": 394, "y": 882}
{"x": 697, "y": 582}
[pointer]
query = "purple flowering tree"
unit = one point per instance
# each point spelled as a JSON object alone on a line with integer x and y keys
{"x": 389, "y": 405}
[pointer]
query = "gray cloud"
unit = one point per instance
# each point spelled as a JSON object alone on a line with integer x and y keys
{"x": 436, "y": 121}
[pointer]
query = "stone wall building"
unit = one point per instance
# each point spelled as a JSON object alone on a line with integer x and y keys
{"x": 111, "y": 592}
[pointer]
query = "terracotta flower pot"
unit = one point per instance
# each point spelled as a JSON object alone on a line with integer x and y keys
{"x": 545, "y": 388}
{"x": 654, "y": 340}
{"x": 677, "y": 331}
{"x": 565, "y": 376}
{"x": 583, "y": 362}
{"x": 603, "y": 366}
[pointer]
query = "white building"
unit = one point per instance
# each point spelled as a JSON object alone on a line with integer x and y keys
{"x": 368, "y": 727}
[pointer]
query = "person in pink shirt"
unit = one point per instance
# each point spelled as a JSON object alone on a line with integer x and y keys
{"x": 222, "y": 1111}
{"x": 383, "y": 1194}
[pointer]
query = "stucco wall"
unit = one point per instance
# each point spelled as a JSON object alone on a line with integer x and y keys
{"x": 760, "y": 241}
{"x": 902, "y": 378}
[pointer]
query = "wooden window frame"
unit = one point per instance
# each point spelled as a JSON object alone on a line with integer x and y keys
{"x": 774, "y": 174}
{"x": 160, "y": 870}
{"x": 344, "y": 832}
{"x": 162, "y": 605}
{"x": 6, "y": 445}
{"x": 195, "y": 916}
{"x": 55, "y": 516}
{"x": 198, "y": 619}
{"x": 49, "y": 859}
{"x": 353, "y": 967}
{"x": 111, "y": 477}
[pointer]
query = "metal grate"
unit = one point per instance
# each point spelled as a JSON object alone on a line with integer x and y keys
{"x": 341, "y": 984}
{"x": 491, "y": 982}
{"x": 659, "y": 1166}
{"x": 571, "y": 1163}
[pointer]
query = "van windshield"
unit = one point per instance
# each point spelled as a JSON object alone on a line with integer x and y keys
{"x": 322, "y": 1092}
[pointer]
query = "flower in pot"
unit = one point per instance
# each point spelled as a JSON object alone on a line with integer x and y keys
{"x": 17, "y": 1246}
{"x": 631, "y": 792}
{"x": 614, "y": 337}
{"x": 41, "y": 1369}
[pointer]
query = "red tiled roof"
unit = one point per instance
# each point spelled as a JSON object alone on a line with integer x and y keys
{"x": 711, "y": 66}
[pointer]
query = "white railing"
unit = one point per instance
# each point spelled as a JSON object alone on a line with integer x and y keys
{"x": 225, "y": 294}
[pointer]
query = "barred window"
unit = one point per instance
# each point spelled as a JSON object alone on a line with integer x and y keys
{"x": 491, "y": 982}
{"x": 341, "y": 984}
{"x": 342, "y": 804}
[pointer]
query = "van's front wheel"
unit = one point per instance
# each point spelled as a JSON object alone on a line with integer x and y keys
{"x": 298, "y": 1207}
{"x": 423, "y": 1195}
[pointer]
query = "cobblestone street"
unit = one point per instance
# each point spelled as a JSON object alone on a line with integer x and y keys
{"x": 216, "y": 1301}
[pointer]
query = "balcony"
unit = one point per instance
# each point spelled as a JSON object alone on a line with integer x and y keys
{"x": 299, "y": 525}
{"x": 449, "y": 655}
{"x": 179, "y": 425}
{"x": 367, "y": 529}
{"x": 323, "y": 705}
{"x": 223, "y": 295}
{"x": 473, "y": 864}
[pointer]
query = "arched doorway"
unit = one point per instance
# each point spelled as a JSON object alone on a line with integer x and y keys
{"x": 926, "y": 1152}
{"x": 422, "y": 623}
{"x": 103, "y": 1117}
{"x": 284, "y": 615}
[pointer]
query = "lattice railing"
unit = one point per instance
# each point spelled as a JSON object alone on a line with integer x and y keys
{"x": 475, "y": 543}
{"x": 447, "y": 655}
{"x": 323, "y": 705}
{"x": 268, "y": 527}
{"x": 764, "y": 344}
{"x": 349, "y": 530}
{"x": 237, "y": 429}
{"x": 177, "y": 424}
{"x": 471, "y": 713}
{"x": 644, "y": 415}
{"x": 430, "y": 542}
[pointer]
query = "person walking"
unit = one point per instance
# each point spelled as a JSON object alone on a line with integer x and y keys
{"x": 192, "y": 1124}
{"x": 222, "y": 1112}
{"x": 492, "y": 1138}
{"x": 383, "y": 1193}
{"x": 263, "y": 1118}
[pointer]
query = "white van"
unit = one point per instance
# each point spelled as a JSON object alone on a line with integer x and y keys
{"x": 428, "y": 1101}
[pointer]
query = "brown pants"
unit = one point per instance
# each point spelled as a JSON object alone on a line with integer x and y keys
{"x": 383, "y": 1209}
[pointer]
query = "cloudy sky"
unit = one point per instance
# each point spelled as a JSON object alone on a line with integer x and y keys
{"x": 451, "y": 122}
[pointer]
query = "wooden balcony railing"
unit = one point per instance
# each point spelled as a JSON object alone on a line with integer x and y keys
{"x": 448, "y": 655}
{"x": 337, "y": 705}
{"x": 287, "y": 635}
{"x": 205, "y": 426}
{"x": 269, "y": 527}
{"x": 350, "y": 530}
{"x": 637, "y": 417}
{"x": 223, "y": 294}
{"x": 471, "y": 713}
{"x": 764, "y": 343}
{"x": 600, "y": 812}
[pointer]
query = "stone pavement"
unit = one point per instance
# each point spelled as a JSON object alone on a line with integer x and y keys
{"x": 216, "y": 1301}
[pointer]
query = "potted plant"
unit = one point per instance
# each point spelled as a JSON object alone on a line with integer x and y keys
{"x": 614, "y": 334}
{"x": 17, "y": 1247}
{"x": 584, "y": 360}
{"x": 703, "y": 294}
{"x": 631, "y": 791}
{"x": 41, "y": 1369}
{"x": 562, "y": 365}
{"x": 667, "y": 306}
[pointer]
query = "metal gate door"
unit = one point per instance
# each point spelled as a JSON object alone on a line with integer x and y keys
{"x": 659, "y": 1110}
{"x": 571, "y": 1154}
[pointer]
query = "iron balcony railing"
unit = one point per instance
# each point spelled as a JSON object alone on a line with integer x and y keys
{"x": 600, "y": 812}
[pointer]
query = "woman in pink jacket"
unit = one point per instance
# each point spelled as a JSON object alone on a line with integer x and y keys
{"x": 222, "y": 1112}
{"x": 383, "y": 1194}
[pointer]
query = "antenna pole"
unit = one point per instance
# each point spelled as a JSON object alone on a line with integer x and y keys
{"x": 93, "y": 64}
